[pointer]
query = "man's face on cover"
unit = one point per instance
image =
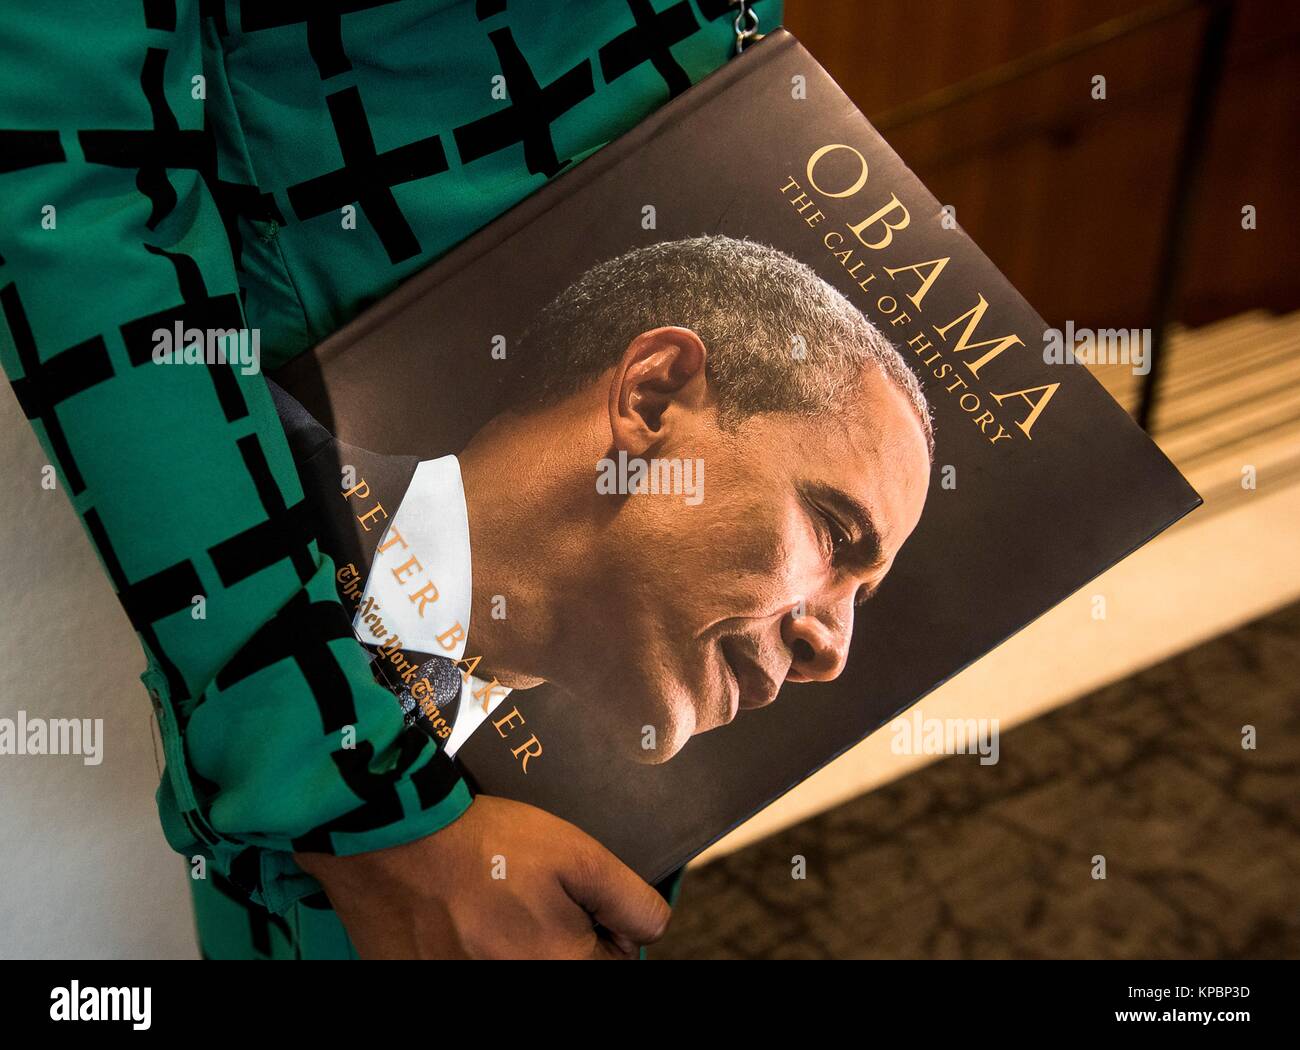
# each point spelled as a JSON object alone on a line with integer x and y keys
{"x": 712, "y": 608}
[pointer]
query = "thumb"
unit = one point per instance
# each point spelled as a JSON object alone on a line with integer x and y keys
{"x": 615, "y": 896}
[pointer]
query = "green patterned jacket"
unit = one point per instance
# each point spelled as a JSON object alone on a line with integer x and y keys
{"x": 176, "y": 160}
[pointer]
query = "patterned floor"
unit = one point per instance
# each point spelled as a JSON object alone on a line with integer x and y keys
{"x": 1201, "y": 837}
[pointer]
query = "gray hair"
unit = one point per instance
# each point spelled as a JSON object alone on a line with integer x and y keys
{"x": 779, "y": 338}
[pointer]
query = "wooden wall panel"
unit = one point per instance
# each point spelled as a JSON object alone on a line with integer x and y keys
{"x": 1068, "y": 194}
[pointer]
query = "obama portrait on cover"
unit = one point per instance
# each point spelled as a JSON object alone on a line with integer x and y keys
{"x": 710, "y": 460}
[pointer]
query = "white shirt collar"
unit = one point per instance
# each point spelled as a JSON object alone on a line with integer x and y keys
{"x": 422, "y": 580}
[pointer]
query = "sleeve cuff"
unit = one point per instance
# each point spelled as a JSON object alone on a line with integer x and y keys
{"x": 284, "y": 883}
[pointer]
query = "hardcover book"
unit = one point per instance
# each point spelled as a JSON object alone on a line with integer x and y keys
{"x": 791, "y": 383}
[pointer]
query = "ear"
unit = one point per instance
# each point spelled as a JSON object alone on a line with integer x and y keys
{"x": 661, "y": 370}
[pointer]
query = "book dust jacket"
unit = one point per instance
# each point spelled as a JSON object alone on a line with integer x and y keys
{"x": 758, "y": 604}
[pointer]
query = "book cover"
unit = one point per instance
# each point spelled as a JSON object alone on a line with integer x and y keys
{"x": 744, "y": 257}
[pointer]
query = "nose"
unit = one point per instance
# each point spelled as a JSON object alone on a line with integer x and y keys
{"x": 819, "y": 644}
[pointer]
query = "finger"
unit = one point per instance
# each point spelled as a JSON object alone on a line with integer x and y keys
{"x": 607, "y": 949}
{"x": 617, "y": 940}
{"x": 614, "y": 895}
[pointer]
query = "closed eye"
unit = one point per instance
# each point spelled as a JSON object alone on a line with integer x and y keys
{"x": 840, "y": 537}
